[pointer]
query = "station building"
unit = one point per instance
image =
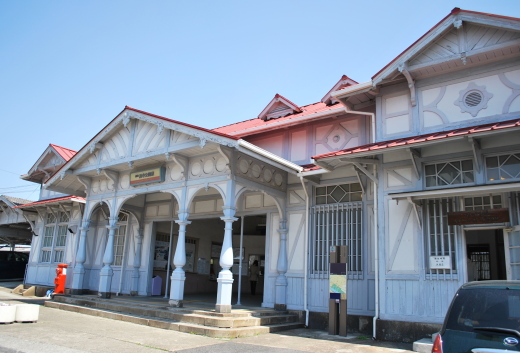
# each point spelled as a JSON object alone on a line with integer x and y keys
{"x": 417, "y": 171}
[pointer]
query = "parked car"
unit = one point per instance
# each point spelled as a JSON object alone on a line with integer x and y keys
{"x": 483, "y": 317}
{"x": 12, "y": 264}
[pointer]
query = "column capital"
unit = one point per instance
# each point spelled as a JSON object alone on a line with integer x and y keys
{"x": 229, "y": 211}
{"x": 229, "y": 219}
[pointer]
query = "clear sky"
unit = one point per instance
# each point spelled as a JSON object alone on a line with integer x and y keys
{"x": 69, "y": 67}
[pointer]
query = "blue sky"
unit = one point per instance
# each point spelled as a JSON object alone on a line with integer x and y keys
{"x": 68, "y": 67}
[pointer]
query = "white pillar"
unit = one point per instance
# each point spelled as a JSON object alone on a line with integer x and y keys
{"x": 179, "y": 260}
{"x": 105, "y": 276}
{"x": 281, "y": 281}
{"x": 225, "y": 277}
{"x": 137, "y": 262}
{"x": 81, "y": 257}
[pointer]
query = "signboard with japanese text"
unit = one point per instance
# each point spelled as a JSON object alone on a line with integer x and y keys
{"x": 440, "y": 262}
{"x": 153, "y": 175}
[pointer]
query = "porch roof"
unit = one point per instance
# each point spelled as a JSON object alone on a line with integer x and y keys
{"x": 457, "y": 191}
{"x": 52, "y": 201}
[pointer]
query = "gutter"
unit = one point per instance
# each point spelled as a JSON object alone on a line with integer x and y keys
{"x": 249, "y": 146}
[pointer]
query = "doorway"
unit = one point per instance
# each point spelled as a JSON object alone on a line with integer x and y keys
{"x": 485, "y": 255}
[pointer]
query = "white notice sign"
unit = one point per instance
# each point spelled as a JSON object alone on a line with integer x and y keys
{"x": 440, "y": 262}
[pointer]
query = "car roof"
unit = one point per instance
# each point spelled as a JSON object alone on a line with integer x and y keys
{"x": 491, "y": 284}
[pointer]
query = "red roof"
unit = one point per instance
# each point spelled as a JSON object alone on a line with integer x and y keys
{"x": 410, "y": 141}
{"x": 56, "y": 199}
{"x": 65, "y": 153}
{"x": 244, "y": 128}
{"x": 455, "y": 11}
{"x": 223, "y": 134}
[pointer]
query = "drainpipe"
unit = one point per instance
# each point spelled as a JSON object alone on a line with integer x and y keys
{"x": 376, "y": 255}
{"x": 372, "y": 121}
{"x": 306, "y": 255}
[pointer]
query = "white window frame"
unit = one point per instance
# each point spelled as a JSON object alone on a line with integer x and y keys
{"x": 120, "y": 239}
{"x": 336, "y": 223}
{"x": 437, "y": 171}
{"x": 500, "y": 179}
{"x": 440, "y": 238}
{"x": 54, "y": 237}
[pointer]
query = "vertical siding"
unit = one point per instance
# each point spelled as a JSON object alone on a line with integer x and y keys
{"x": 360, "y": 296}
{"x": 416, "y": 300}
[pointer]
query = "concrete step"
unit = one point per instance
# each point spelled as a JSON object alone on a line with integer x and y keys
{"x": 183, "y": 320}
{"x": 24, "y": 291}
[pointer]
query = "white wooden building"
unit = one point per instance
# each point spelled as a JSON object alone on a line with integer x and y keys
{"x": 378, "y": 166}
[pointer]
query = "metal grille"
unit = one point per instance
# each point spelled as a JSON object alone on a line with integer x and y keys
{"x": 336, "y": 224}
{"x": 440, "y": 237}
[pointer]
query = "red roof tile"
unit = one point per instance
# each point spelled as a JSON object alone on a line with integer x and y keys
{"x": 410, "y": 141}
{"x": 256, "y": 125}
{"x": 57, "y": 199}
{"x": 65, "y": 153}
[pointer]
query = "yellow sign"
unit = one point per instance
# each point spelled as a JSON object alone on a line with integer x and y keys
{"x": 147, "y": 176}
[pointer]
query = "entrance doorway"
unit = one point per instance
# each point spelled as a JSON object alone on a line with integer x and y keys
{"x": 485, "y": 255}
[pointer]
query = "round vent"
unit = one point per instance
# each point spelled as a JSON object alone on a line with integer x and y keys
{"x": 473, "y": 98}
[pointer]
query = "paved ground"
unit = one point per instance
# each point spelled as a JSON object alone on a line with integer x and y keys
{"x": 60, "y": 331}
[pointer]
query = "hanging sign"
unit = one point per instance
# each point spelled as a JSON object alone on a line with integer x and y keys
{"x": 440, "y": 262}
{"x": 147, "y": 176}
{"x": 499, "y": 215}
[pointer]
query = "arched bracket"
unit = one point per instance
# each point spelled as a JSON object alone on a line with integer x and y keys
{"x": 112, "y": 175}
{"x": 85, "y": 181}
{"x": 411, "y": 83}
{"x": 227, "y": 154}
{"x": 183, "y": 162}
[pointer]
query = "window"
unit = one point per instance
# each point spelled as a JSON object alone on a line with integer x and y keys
{"x": 54, "y": 237}
{"x": 440, "y": 237}
{"x": 503, "y": 167}
{"x": 119, "y": 239}
{"x": 449, "y": 173}
{"x": 482, "y": 203}
{"x": 337, "y": 220}
{"x": 338, "y": 193}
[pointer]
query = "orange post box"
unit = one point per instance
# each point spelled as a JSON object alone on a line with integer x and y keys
{"x": 61, "y": 279}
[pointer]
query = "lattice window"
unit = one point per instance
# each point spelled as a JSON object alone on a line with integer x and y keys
{"x": 503, "y": 167}
{"x": 449, "y": 173}
{"x": 479, "y": 203}
{"x": 338, "y": 193}
{"x": 440, "y": 237}
{"x": 336, "y": 222}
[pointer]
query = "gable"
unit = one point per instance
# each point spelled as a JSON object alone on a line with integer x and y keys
{"x": 136, "y": 138}
{"x": 469, "y": 39}
{"x": 278, "y": 107}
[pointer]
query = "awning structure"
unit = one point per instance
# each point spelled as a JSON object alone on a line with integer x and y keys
{"x": 460, "y": 191}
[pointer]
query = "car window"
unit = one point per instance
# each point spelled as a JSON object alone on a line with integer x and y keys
{"x": 485, "y": 307}
{"x": 22, "y": 257}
